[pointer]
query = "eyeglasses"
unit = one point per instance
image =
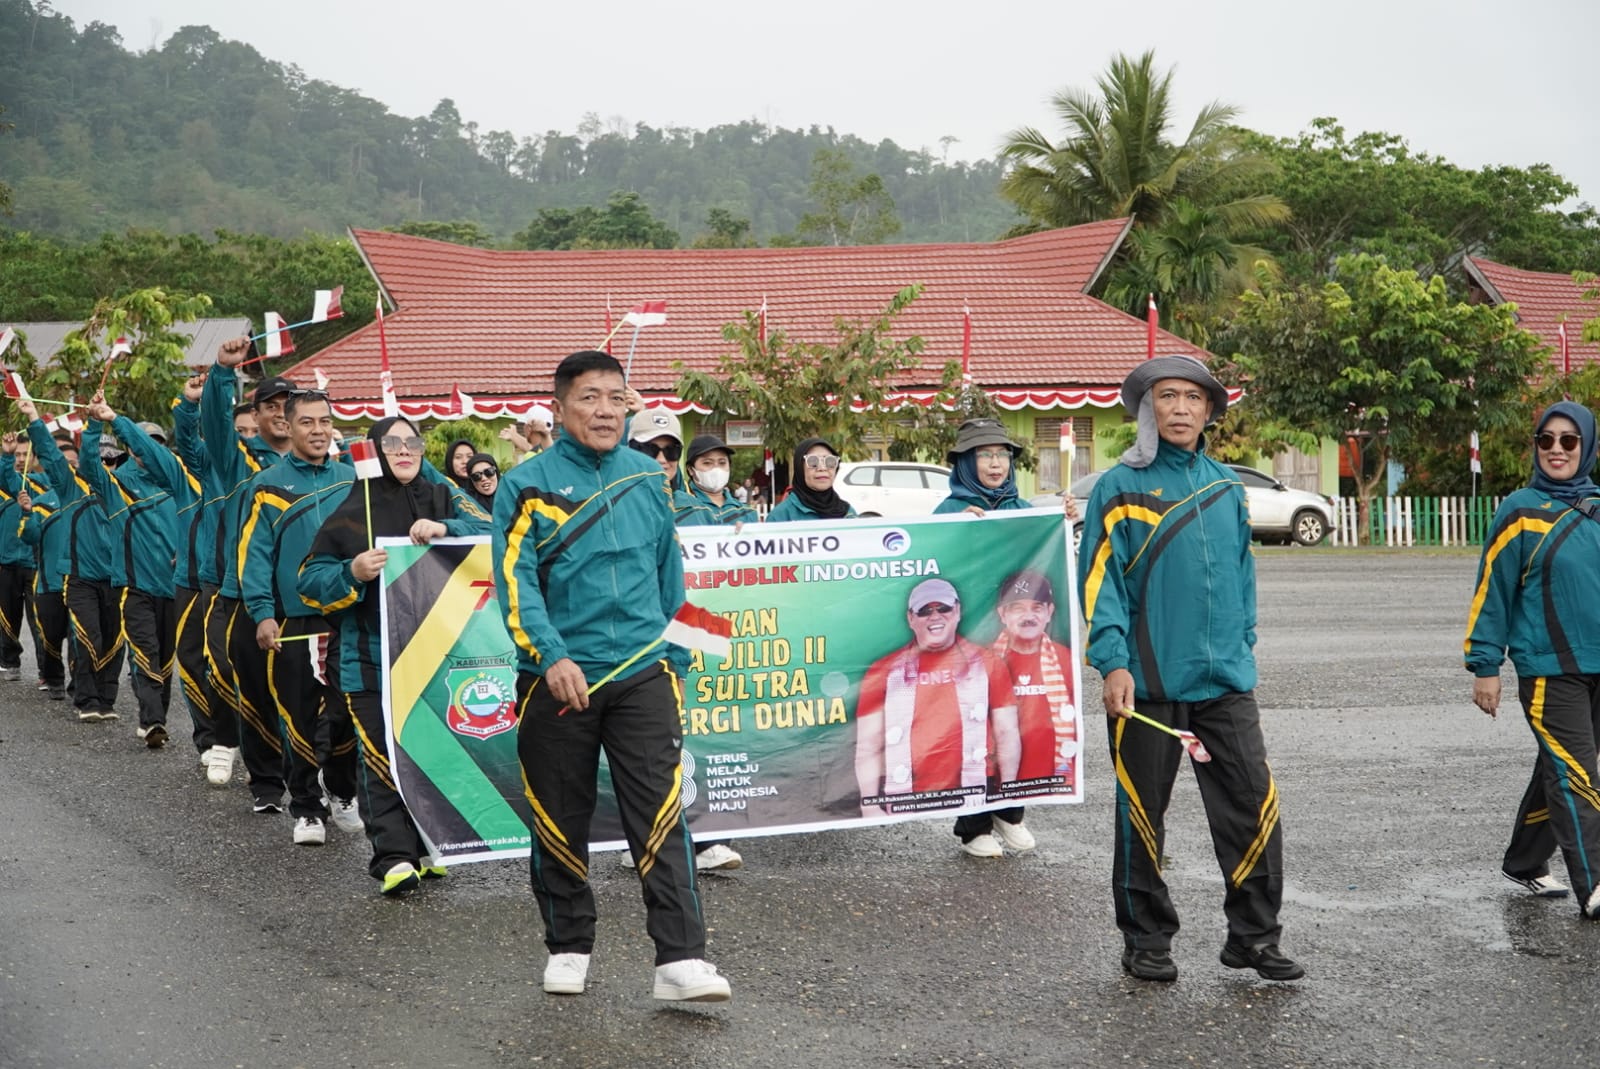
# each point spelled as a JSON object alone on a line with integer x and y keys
{"x": 394, "y": 443}
{"x": 673, "y": 451}
{"x": 1547, "y": 441}
{"x": 994, "y": 454}
{"x": 936, "y": 607}
{"x": 825, "y": 463}
{"x": 483, "y": 475}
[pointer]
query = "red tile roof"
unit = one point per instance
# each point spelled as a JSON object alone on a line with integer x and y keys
{"x": 1543, "y": 300}
{"x": 496, "y": 322}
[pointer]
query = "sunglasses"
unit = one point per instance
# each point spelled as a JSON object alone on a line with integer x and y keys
{"x": 483, "y": 475}
{"x": 1547, "y": 441}
{"x": 822, "y": 462}
{"x": 309, "y": 395}
{"x": 936, "y": 607}
{"x": 394, "y": 443}
{"x": 672, "y": 451}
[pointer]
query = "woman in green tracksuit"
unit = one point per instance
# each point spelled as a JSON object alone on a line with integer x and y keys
{"x": 339, "y": 579}
{"x": 1537, "y": 600}
{"x": 811, "y": 495}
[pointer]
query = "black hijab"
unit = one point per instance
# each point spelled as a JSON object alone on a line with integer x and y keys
{"x": 465, "y": 481}
{"x": 486, "y": 500}
{"x": 395, "y": 505}
{"x": 826, "y": 504}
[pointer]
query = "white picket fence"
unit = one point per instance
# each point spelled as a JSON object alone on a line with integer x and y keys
{"x": 1418, "y": 521}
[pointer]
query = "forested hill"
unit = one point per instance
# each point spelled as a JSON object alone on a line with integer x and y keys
{"x": 206, "y": 133}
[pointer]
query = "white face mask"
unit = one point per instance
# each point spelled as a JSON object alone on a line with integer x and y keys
{"x": 711, "y": 480}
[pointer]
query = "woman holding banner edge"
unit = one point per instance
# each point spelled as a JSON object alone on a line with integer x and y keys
{"x": 338, "y": 580}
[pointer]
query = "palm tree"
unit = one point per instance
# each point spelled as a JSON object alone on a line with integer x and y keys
{"x": 1117, "y": 160}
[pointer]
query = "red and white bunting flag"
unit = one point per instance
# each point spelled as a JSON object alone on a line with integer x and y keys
{"x": 7, "y": 336}
{"x": 391, "y": 403}
{"x": 326, "y": 305}
{"x": 695, "y": 628}
{"x": 279, "y": 343}
{"x": 1477, "y": 461}
{"x": 1566, "y": 350}
{"x": 364, "y": 458}
{"x": 461, "y": 403}
{"x": 121, "y": 347}
{"x": 16, "y": 389}
{"x": 322, "y": 380}
{"x": 966, "y": 346}
{"x": 647, "y": 314}
{"x": 1152, "y": 321}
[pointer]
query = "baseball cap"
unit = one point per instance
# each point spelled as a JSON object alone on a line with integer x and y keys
{"x": 1026, "y": 585}
{"x": 271, "y": 387}
{"x": 110, "y": 448}
{"x": 931, "y": 590}
{"x": 154, "y": 430}
{"x": 652, "y": 423}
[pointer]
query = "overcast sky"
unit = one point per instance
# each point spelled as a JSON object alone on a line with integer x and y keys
{"x": 1473, "y": 81}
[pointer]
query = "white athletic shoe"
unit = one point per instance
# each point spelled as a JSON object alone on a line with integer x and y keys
{"x": 566, "y": 974}
{"x": 1591, "y": 908}
{"x": 219, "y": 770}
{"x": 1545, "y": 886}
{"x": 693, "y": 980}
{"x": 716, "y": 857}
{"x": 985, "y": 845}
{"x": 345, "y": 816}
{"x": 1014, "y": 836}
{"x": 309, "y": 831}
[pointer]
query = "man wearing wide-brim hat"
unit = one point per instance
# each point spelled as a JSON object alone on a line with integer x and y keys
{"x": 1169, "y": 593}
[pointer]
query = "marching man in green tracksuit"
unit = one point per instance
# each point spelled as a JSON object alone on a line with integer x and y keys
{"x": 588, "y": 572}
{"x": 1169, "y": 593}
{"x": 281, "y": 509}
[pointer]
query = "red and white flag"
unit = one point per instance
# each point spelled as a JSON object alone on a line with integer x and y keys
{"x": 647, "y": 314}
{"x": 609, "y": 331}
{"x": 16, "y": 389}
{"x": 68, "y": 421}
{"x": 278, "y": 341}
{"x": 695, "y": 628}
{"x": 1152, "y": 321}
{"x": 966, "y": 347}
{"x": 326, "y": 305}
{"x": 322, "y": 380}
{"x": 1069, "y": 449}
{"x": 121, "y": 347}
{"x": 7, "y": 336}
{"x": 1477, "y": 461}
{"x": 761, "y": 325}
{"x": 364, "y": 458}
{"x": 461, "y": 403}
{"x": 391, "y": 403}
{"x": 1566, "y": 350}
{"x": 767, "y": 465}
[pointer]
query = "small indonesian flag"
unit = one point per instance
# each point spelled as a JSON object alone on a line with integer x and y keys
{"x": 278, "y": 341}
{"x": 1152, "y": 322}
{"x": 695, "y": 628}
{"x": 16, "y": 389}
{"x": 766, "y": 463}
{"x": 1069, "y": 440}
{"x": 1566, "y": 349}
{"x": 966, "y": 347}
{"x": 647, "y": 314}
{"x": 461, "y": 403}
{"x": 391, "y": 403}
{"x": 364, "y": 458}
{"x": 1191, "y": 742}
{"x": 7, "y": 336}
{"x": 326, "y": 306}
{"x": 67, "y": 421}
{"x": 761, "y": 325}
{"x": 122, "y": 347}
{"x": 322, "y": 379}
{"x": 1477, "y": 461}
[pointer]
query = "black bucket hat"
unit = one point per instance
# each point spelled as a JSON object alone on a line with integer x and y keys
{"x": 976, "y": 432}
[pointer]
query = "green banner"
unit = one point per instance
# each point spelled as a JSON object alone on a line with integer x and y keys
{"x": 880, "y": 671}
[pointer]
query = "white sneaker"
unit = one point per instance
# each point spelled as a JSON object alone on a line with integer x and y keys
{"x": 1591, "y": 908}
{"x": 985, "y": 845}
{"x": 1546, "y": 886}
{"x": 627, "y": 860}
{"x": 693, "y": 980}
{"x": 1014, "y": 836}
{"x": 309, "y": 831}
{"x": 220, "y": 769}
{"x": 565, "y": 974}
{"x": 716, "y": 856}
{"x": 345, "y": 815}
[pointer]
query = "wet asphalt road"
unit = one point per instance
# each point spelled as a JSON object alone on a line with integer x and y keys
{"x": 147, "y": 920}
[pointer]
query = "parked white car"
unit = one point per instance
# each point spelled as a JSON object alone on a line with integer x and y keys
{"x": 1278, "y": 513}
{"x": 892, "y": 487}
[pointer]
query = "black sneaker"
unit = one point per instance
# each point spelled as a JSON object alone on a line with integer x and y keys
{"x": 154, "y": 735}
{"x": 268, "y": 805}
{"x": 58, "y": 694}
{"x": 1267, "y": 960}
{"x": 1149, "y": 965}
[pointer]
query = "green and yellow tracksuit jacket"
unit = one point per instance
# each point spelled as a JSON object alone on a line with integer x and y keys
{"x": 91, "y": 552}
{"x": 692, "y": 508}
{"x": 13, "y": 550}
{"x": 587, "y": 559}
{"x": 1167, "y": 582}
{"x": 231, "y": 462}
{"x": 284, "y": 507}
{"x": 1537, "y": 599}
{"x": 142, "y": 514}
{"x": 48, "y": 537}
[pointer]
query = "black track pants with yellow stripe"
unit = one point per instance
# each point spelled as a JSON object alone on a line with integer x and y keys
{"x": 1562, "y": 804}
{"x": 316, "y": 728}
{"x": 94, "y": 610}
{"x": 636, "y": 720}
{"x": 1241, "y": 802}
{"x": 388, "y": 823}
{"x": 151, "y": 626}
